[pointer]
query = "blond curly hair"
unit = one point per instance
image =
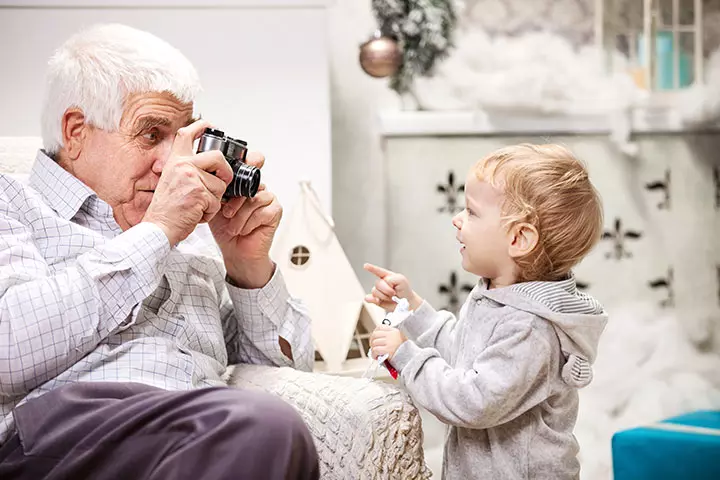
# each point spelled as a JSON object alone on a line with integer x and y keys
{"x": 549, "y": 188}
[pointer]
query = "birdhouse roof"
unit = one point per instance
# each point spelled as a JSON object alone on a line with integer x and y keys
{"x": 317, "y": 271}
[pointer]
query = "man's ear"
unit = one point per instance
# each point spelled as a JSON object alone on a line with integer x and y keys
{"x": 524, "y": 238}
{"x": 74, "y": 132}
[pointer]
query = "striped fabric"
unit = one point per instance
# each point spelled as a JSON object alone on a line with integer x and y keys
{"x": 560, "y": 296}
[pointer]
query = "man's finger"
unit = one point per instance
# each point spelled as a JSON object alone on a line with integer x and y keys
{"x": 213, "y": 184}
{"x": 214, "y": 162}
{"x": 232, "y": 206}
{"x": 256, "y": 159}
{"x": 186, "y": 136}
{"x": 377, "y": 271}
{"x": 211, "y": 210}
{"x": 263, "y": 217}
{"x": 237, "y": 223}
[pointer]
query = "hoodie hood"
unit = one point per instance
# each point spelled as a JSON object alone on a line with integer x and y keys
{"x": 577, "y": 318}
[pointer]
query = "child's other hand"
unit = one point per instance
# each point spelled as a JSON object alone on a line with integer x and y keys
{"x": 388, "y": 285}
{"x": 386, "y": 340}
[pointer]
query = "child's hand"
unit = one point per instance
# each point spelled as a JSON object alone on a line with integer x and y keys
{"x": 388, "y": 285}
{"x": 385, "y": 340}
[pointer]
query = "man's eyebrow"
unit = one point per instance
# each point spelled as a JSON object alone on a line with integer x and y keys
{"x": 151, "y": 121}
{"x": 191, "y": 121}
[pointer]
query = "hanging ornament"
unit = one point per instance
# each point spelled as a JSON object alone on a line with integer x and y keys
{"x": 380, "y": 56}
{"x": 424, "y": 32}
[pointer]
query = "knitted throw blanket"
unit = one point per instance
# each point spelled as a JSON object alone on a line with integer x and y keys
{"x": 362, "y": 429}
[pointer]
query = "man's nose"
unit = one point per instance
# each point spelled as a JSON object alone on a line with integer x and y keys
{"x": 161, "y": 157}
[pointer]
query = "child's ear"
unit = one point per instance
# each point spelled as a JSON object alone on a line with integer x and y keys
{"x": 523, "y": 239}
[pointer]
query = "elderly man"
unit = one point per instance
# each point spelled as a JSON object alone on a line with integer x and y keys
{"x": 118, "y": 317}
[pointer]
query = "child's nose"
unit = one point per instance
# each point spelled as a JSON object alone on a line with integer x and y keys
{"x": 457, "y": 221}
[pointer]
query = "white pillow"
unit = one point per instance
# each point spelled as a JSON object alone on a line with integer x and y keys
{"x": 17, "y": 155}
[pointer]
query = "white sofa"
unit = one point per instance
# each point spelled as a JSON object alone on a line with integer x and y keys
{"x": 362, "y": 429}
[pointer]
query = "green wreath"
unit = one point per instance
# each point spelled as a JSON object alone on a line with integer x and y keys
{"x": 423, "y": 30}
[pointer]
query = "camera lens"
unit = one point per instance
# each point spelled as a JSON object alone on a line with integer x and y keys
{"x": 245, "y": 183}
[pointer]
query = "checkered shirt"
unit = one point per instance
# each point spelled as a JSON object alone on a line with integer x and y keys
{"x": 81, "y": 300}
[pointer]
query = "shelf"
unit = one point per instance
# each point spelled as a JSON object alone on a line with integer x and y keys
{"x": 467, "y": 123}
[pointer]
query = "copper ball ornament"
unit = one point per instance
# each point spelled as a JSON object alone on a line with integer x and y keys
{"x": 380, "y": 56}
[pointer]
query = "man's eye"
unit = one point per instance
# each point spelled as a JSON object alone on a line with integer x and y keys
{"x": 151, "y": 137}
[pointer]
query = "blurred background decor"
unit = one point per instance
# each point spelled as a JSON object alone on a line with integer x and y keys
{"x": 420, "y": 31}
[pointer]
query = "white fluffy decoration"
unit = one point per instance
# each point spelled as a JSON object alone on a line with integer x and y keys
{"x": 700, "y": 103}
{"x": 535, "y": 72}
{"x": 647, "y": 370}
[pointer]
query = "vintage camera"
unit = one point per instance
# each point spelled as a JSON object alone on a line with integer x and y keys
{"x": 246, "y": 179}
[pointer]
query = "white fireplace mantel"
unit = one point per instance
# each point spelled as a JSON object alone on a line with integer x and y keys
{"x": 394, "y": 123}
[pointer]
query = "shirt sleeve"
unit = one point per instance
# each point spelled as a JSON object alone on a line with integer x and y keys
{"x": 430, "y": 328}
{"x": 49, "y": 320}
{"x": 508, "y": 377}
{"x": 255, "y": 319}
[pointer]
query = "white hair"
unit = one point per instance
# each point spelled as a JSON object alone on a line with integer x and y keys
{"x": 95, "y": 70}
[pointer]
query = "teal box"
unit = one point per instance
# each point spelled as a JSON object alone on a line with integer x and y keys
{"x": 685, "y": 447}
{"x": 665, "y": 62}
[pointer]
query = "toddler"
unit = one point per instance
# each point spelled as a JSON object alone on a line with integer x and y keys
{"x": 505, "y": 374}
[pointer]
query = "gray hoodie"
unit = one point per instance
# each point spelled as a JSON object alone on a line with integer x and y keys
{"x": 504, "y": 377}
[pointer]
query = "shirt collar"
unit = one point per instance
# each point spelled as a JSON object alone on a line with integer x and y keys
{"x": 61, "y": 190}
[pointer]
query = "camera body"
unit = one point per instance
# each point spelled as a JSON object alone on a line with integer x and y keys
{"x": 246, "y": 178}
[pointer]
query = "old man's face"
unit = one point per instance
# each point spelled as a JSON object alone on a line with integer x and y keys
{"x": 124, "y": 167}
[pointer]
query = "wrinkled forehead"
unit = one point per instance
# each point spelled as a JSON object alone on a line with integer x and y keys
{"x": 159, "y": 108}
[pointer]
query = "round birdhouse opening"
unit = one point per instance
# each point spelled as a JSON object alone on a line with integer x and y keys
{"x": 299, "y": 256}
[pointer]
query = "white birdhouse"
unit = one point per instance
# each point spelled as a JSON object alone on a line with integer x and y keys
{"x": 317, "y": 271}
{"x": 662, "y": 41}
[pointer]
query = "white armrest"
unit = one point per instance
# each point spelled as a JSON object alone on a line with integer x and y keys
{"x": 17, "y": 154}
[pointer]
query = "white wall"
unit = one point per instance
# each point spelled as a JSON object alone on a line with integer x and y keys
{"x": 358, "y": 181}
{"x": 263, "y": 65}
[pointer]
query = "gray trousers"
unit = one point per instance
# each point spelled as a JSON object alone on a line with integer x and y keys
{"x": 129, "y": 431}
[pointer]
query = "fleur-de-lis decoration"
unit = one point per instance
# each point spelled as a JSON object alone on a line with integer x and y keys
{"x": 450, "y": 193}
{"x": 618, "y": 236}
{"x": 452, "y": 290}
{"x": 663, "y": 186}
{"x": 667, "y": 283}
{"x": 716, "y": 181}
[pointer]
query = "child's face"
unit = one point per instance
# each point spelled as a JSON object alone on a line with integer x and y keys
{"x": 483, "y": 238}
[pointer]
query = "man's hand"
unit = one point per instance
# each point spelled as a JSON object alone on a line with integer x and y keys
{"x": 386, "y": 340}
{"x": 388, "y": 285}
{"x": 190, "y": 187}
{"x": 244, "y": 231}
